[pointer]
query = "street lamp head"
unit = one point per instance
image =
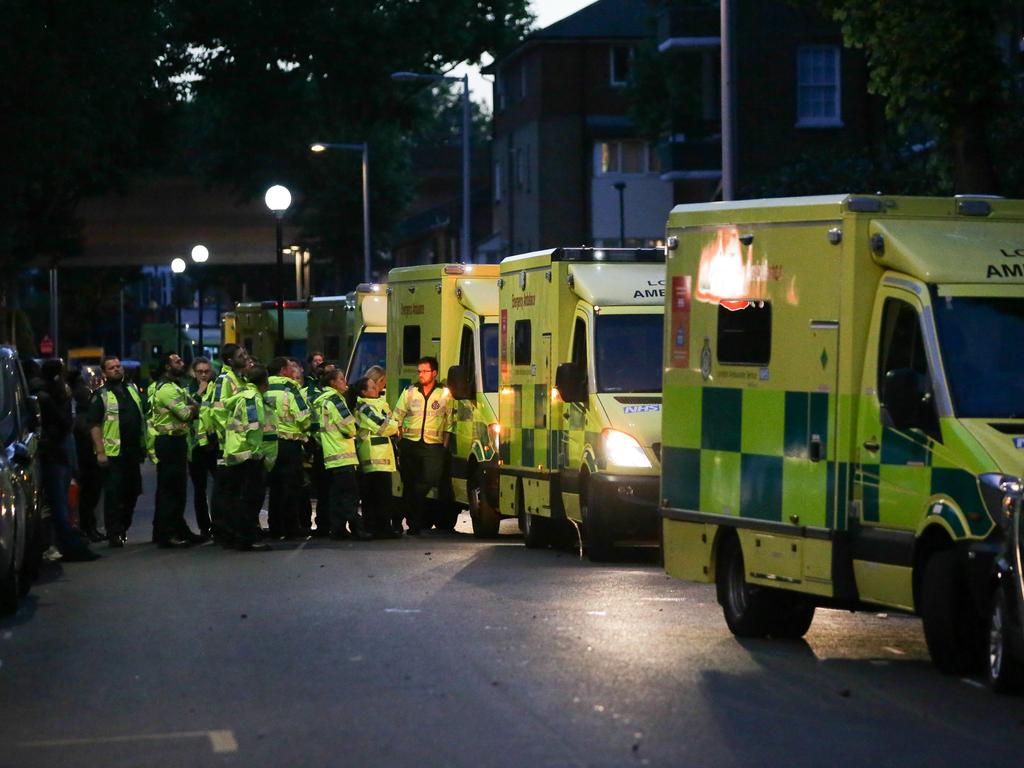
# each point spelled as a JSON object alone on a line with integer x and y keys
{"x": 278, "y": 199}
{"x": 318, "y": 147}
{"x": 177, "y": 266}
{"x": 200, "y": 254}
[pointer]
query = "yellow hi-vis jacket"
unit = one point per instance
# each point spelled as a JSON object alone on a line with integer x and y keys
{"x": 293, "y": 417}
{"x": 112, "y": 418}
{"x": 250, "y": 431}
{"x": 373, "y": 442}
{"x": 169, "y": 414}
{"x": 218, "y": 392}
{"x": 337, "y": 430}
{"x": 425, "y": 419}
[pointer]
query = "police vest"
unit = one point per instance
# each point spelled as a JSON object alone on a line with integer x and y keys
{"x": 112, "y": 419}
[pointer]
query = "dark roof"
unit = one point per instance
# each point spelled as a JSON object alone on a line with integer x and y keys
{"x": 604, "y": 19}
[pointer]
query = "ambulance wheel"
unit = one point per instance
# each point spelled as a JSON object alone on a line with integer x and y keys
{"x": 1005, "y": 671}
{"x": 485, "y": 517}
{"x": 747, "y": 607}
{"x": 791, "y": 616}
{"x": 952, "y": 629}
{"x": 532, "y": 526}
{"x": 599, "y": 545}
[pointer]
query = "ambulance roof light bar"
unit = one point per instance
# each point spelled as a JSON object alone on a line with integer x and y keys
{"x": 609, "y": 255}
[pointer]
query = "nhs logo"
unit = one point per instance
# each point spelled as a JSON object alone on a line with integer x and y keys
{"x": 647, "y": 409}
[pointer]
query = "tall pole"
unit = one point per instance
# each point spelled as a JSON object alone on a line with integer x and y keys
{"x": 199, "y": 287}
{"x": 366, "y": 213}
{"x": 54, "y": 312}
{"x": 620, "y": 186}
{"x": 121, "y": 318}
{"x": 728, "y": 104}
{"x": 175, "y": 289}
{"x": 280, "y": 285}
{"x": 467, "y": 255}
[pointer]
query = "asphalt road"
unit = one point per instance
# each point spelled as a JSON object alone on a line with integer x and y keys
{"x": 453, "y": 652}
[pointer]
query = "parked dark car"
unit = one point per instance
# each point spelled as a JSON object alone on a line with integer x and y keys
{"x": 1006, "y": 632}
{"x": 22, "y": 532}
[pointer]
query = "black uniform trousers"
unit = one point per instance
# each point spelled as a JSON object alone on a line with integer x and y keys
{"x": 285, "y": 483}
{"x": 171, "y": 487}
{"x": 342, "y": 500}
{"x": 422, "y": 467}
{"x": 90, "y": 488}
{"x": 200, "y": 469}
{"x": 378, "y": 506}
{"x": 243, "y": 486}
{"x": 122, "y": 486}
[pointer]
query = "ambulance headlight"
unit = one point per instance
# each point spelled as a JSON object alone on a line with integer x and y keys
{"x": 623, "y": 450}
{"x": 1002, "y": 495}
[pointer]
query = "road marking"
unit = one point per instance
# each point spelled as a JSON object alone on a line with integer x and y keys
{"x": 597, "y": 613}
{"x": 973, "y": 683}
{"x": 895, "y": 651}
{"x": 221, "y": 742}
{"x": 402, "y": 610}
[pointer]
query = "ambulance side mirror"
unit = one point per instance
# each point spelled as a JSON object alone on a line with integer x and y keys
{"x": 571, "y": 382}
{"x": 902, "y": 399}
{"x": 459, "y": 383}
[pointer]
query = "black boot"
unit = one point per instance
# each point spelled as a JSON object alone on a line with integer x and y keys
{"x": 358, "y": 529}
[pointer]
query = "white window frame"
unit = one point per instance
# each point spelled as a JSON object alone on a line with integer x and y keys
{"x": 630, "y": 53}
{"x": 804, "y": 119}
{"x": 616, "y": 146}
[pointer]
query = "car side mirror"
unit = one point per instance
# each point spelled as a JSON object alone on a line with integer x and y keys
{"x": 902, "y": 397}
{"x": 19, "y": 455}
{"x": 571, "y": 382}
{"x": 459, "y": 384}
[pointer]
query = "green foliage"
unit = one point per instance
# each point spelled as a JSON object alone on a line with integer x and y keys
{"x": 939, "y": 67}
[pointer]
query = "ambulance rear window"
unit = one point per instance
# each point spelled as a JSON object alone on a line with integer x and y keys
{"x": 745, "y": 335}
{"x": 410, "y": 344}
{"x": 521, "y": 341}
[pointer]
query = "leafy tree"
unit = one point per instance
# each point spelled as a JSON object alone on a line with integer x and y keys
{"x": 85, "y": 101}
{"x": 940, "y": 68}
{"x": 271, "y": 78}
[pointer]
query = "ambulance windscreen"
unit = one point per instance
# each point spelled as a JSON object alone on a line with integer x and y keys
{"x": 628, "y": 353}
{"x": 979, "y": 338}
{"x": 489, "y": 355}
{"x": 370, "y": 350}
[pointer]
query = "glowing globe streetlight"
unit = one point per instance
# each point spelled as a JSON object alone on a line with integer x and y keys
{"x": 177, "y": 266}
{"x": 200, "y": 254}
{"x": 278, "y": 199}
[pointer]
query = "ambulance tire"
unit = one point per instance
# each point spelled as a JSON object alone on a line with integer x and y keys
{"x": 486, "y": 520}
{"x": 534, "y": 528}
{"x": 1005, "y": 668}
{"x": 599, "y": 545}
{"x": 951, "y": 625}
{"x": 747, "y": 607}
{"x": 791, "y": 616}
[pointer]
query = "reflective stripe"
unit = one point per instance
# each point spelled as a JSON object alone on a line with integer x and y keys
{"x": 340, "y": 456}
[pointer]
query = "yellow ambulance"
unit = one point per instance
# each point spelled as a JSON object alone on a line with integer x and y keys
{"x": 350, "y": 330}
{"x": 580, "y": 394}
{"x": 450, "y": 311}
{"x": 844, "y": 408}
{"x": 256, "y": 328}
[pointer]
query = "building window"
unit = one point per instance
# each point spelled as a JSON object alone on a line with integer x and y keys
{"x": 625, "y": 157}
{"x": 818, "y": 77}
{"x": 497, "y": 181}
{"x": 521, "y": 343}
{"x": 621, "y": 64}
{"x": 499, "y": 86}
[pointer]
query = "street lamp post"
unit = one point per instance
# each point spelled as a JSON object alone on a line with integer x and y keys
{"x": 200, "y": 254}
{"x": 620, "y": 187}
{"x": 278, "y": 199}
{"x": 322, "y": 146}
{"x": 177, "y": 267}
{"x": 466, "y": 223}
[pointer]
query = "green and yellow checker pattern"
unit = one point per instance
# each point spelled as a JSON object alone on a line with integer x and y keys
{"x": 528, "y": 441}
{"x": 746, "y": 452}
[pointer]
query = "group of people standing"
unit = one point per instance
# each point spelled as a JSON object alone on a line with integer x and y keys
{"x": 249, "y": 430}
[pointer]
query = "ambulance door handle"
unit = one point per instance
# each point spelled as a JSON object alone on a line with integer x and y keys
{"x": 871, "y": 445}
{"x": 815, "y": 448}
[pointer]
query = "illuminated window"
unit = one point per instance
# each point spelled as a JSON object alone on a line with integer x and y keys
{"x": 625, "y": 157}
